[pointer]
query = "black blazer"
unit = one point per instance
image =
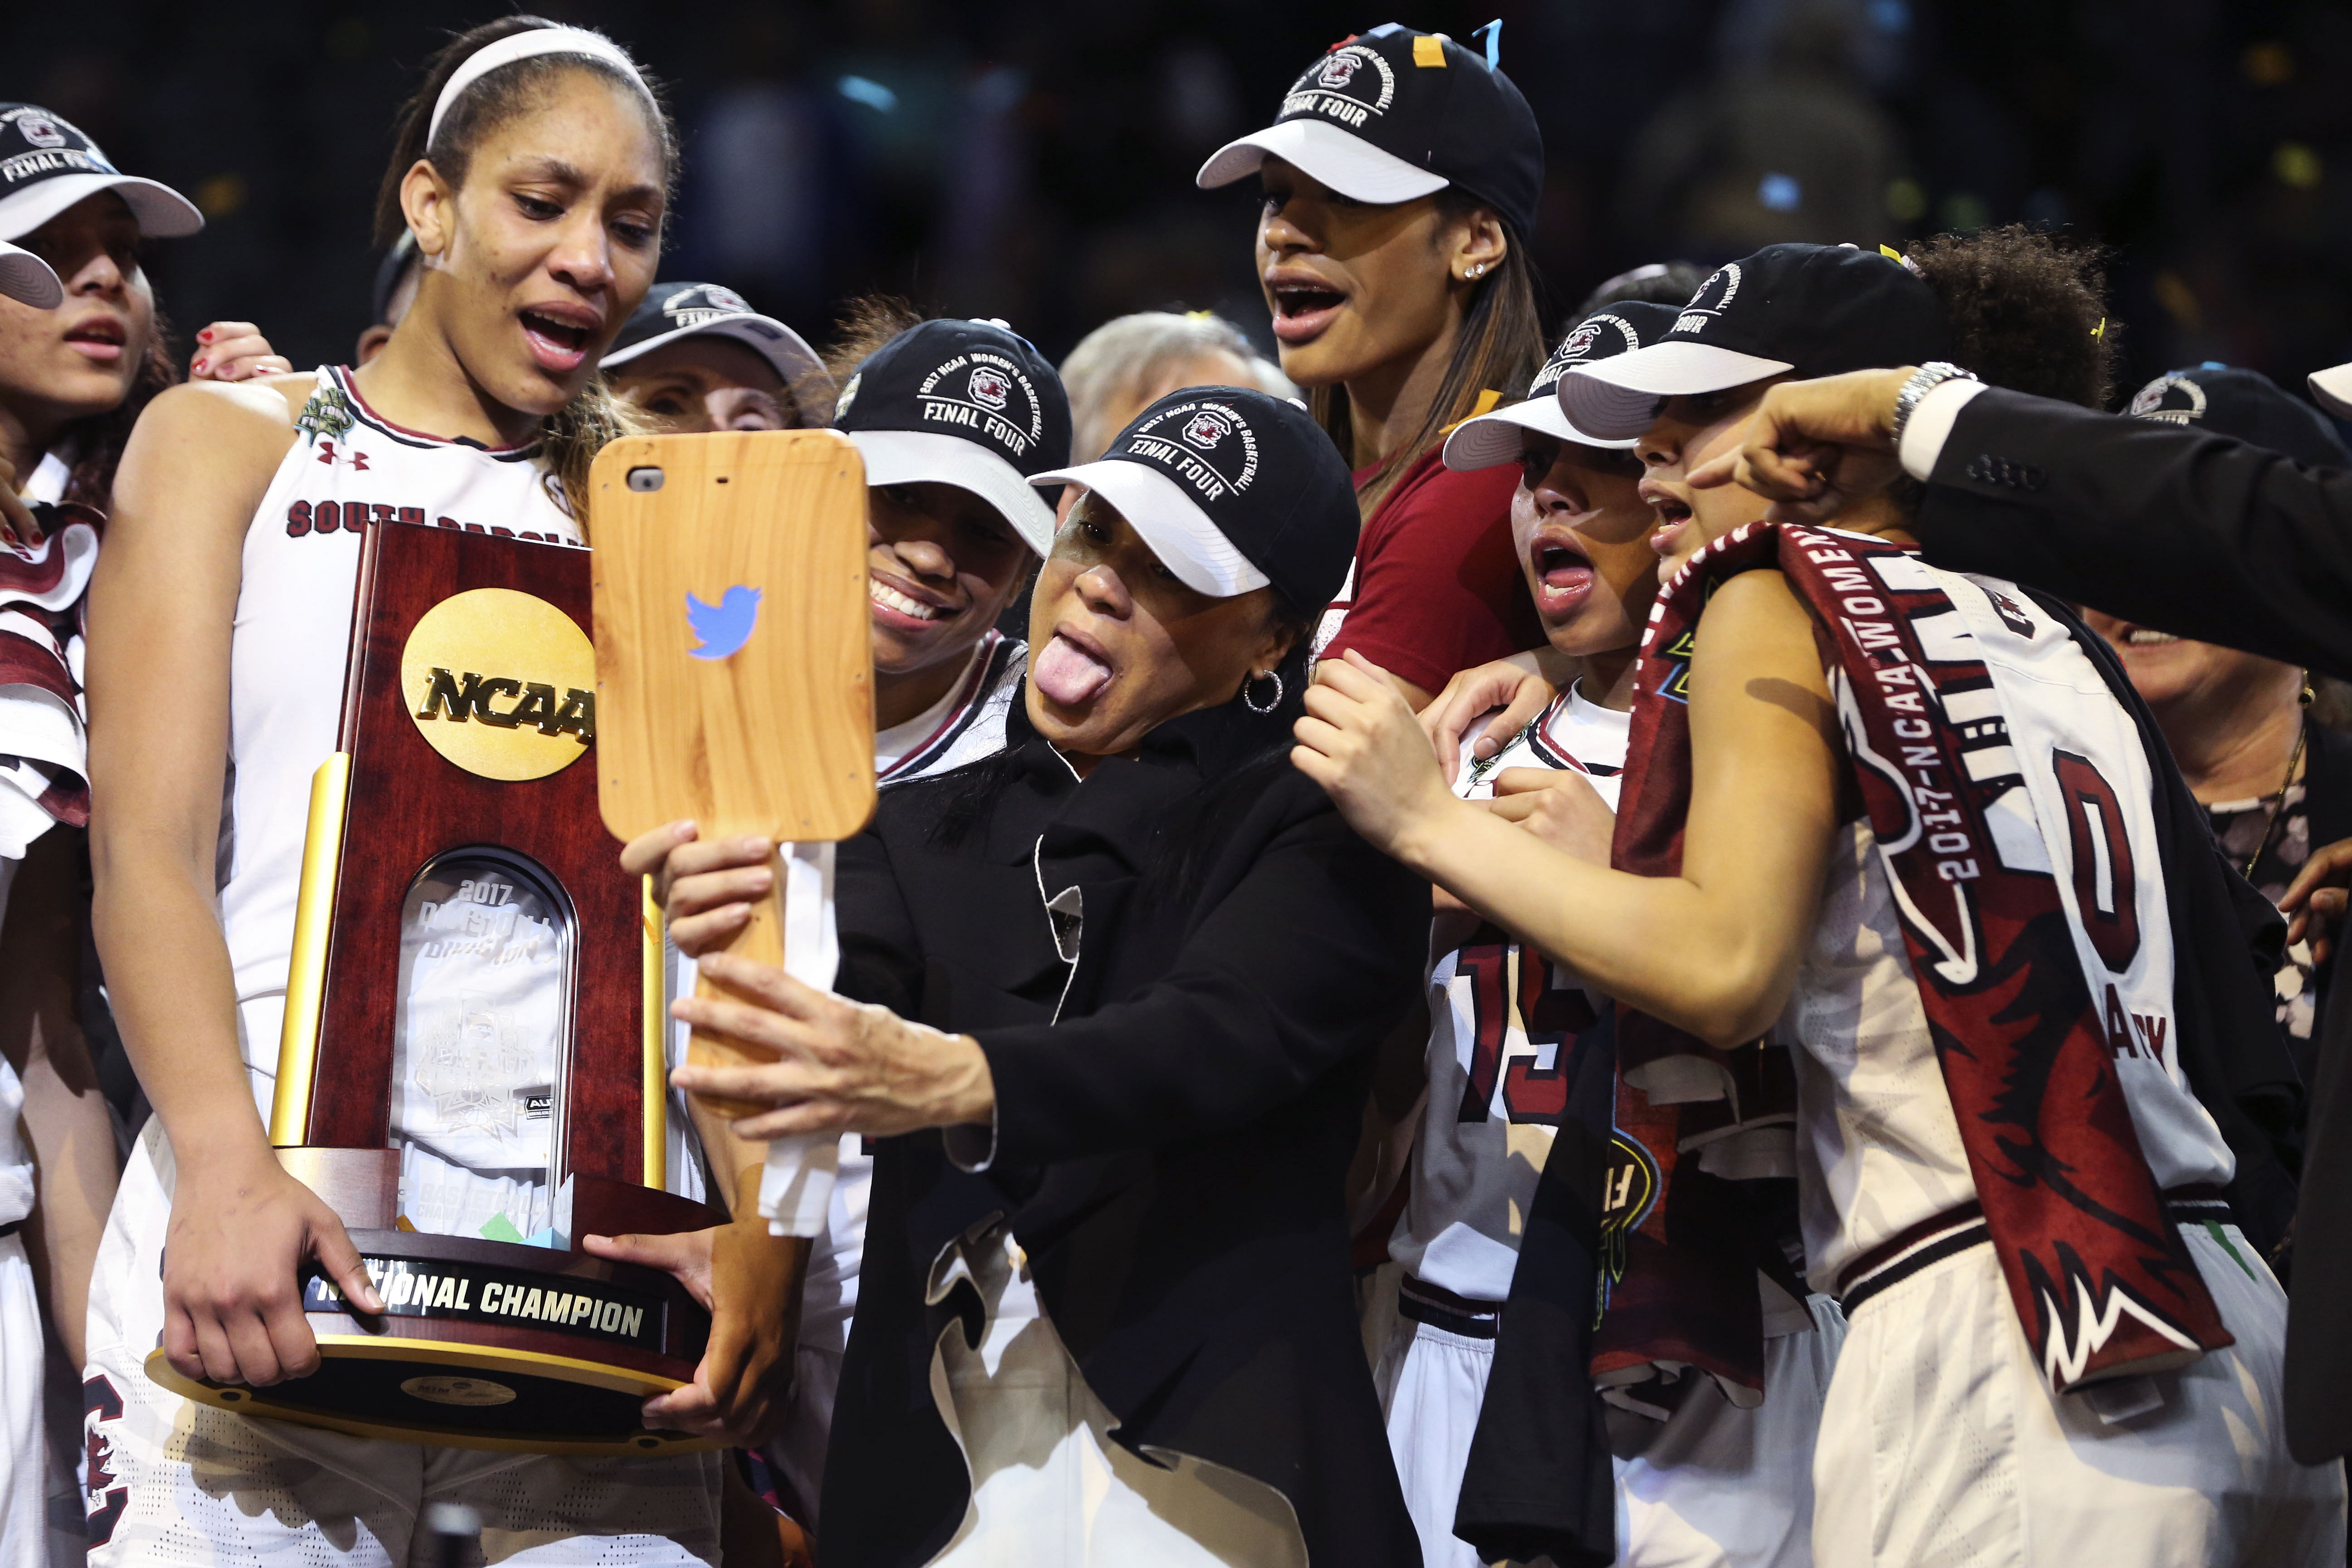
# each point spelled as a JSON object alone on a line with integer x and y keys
{"x": 2200, "y": 535}
{"x": 2327, "y": 797}
{"x": 1171, "y": 1151}
{"x": 2207, "y": 538}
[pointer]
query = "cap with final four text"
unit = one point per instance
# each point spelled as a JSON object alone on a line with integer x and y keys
{"x": 968, "y": 404}
{"x": 1391, "y": 114}
{"x": 46, "y": 164}
{"x": 2229, "y": 400}
{"x": 1806, "y": 310}
{"x": 673, "y": 310}
{"x": 1233, "y": 489}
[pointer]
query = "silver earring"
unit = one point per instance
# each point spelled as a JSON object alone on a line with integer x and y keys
{"x": 1249, "y": 698}
{"x": 1478, "y": 270}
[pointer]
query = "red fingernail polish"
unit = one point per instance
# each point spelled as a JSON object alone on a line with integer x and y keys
{"x": 205, "y": 336}
{"x": 202, "y": 367}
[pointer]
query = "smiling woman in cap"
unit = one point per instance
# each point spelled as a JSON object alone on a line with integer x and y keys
{"x": 1401, "y": 182}
{"x": 696, "y": 356}
{"x": 1152, "y": 972}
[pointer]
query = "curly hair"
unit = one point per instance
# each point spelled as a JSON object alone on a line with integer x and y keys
{"x": 866, "y": 324}
{"x": 2027, "y": 311}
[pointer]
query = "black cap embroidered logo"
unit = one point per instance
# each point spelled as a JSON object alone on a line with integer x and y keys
{"x": 1721, "y": 287}
{"x": 1203, "y": 427}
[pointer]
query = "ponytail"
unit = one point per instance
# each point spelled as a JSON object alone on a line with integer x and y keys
{"x": 572, "y": 436}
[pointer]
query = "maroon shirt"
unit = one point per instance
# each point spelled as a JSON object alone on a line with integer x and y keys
{"x": 1437, "y": 586}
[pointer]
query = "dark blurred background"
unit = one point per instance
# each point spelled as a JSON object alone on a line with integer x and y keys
{"x": 1034, "y": 161}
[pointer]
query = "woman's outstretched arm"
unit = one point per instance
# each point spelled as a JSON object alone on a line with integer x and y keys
{"x": 162, "y": 601}
{"x": 1713, "y": 950}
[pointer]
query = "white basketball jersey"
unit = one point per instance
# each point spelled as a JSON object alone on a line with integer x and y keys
{"x": 1879, "y": 1147}
{"x": 1492, "y": 1111}
{"x": 349, "y": 469}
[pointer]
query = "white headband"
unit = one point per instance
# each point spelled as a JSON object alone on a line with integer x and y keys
{"x": 522, "y": 46}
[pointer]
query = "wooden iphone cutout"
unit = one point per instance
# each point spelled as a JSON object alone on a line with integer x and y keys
{"x": 734, "y": 663}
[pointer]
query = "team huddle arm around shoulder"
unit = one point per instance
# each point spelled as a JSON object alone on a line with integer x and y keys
{"x": 1305, "y": 964}
{"x": 2195, "y": 534}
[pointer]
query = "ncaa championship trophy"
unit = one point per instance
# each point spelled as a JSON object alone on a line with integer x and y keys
{"x": 469, "y": 952}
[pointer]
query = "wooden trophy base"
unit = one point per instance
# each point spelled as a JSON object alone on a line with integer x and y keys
{"x": 486, "y": 1344}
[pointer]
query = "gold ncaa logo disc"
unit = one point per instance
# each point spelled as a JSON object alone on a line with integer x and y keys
{"x": 501, "y": 683}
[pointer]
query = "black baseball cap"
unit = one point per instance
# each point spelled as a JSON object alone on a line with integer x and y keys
{"x": 1391, "y": 114}
{"x": 27, "y": 279}
{"x": 675, "y": 310}
{"x": 1490, "y": 440}
{"x": 2229, "y": 400}
{"x": 968, "y": 403}
{"x": 1233, "y": 489}
{"x": 46, "y": 166}
{"x": 1815, "y": 309}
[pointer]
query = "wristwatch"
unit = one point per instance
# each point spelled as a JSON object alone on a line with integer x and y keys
{"x": 1924, "y": 380}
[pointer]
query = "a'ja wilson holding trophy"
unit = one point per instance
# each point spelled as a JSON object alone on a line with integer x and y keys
{"x": 364, "y": 929}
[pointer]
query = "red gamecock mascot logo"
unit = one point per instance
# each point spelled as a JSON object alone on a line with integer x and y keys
{"x": 1206, "y": 429}
{"x": 990, "y": 388}
{"x": 1337, "y": 72}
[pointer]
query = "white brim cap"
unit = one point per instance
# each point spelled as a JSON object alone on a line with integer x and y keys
{"x": 1170, "y": 522}
{"x": 162, "y": 211}
{"x": 1617, "y": 398}
{"x": 2333, "y": 387}
{"x": 922, "y": 457}
{"x": 1348, "y": 164}
{"x": 27, "y": 279}
{"x": 1490, "y": 440}
{"x": 774, "y": 341}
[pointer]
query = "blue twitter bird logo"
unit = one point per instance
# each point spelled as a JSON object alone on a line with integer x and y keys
{"x": 725, "y": 627}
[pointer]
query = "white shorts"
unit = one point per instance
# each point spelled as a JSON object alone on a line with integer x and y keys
{"x": 1718, "y": 1487}
{"x": 1942, "y": 1446}
{"x": 24, "y": 1456}
{"x": 173, "y": 1482}
{"x": 1050, "y": 1486}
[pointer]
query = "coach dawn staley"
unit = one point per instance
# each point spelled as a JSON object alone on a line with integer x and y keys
{"x": 1150, "y": 966}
